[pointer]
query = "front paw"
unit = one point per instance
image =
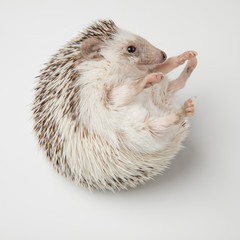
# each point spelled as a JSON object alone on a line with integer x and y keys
{"x": 152, "y": 79}
{"x": 181, "y": 59}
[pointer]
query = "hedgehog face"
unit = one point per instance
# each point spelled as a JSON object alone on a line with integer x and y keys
{"x": 143, "y": 53}
{"x": 133, "y": 51}
{"x": 123, "y": 49}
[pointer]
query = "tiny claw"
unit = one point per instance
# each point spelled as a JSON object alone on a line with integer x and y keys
{"x": 194, "y": 99}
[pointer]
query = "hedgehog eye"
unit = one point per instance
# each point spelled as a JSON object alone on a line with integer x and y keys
{"x": 131, "y": 49}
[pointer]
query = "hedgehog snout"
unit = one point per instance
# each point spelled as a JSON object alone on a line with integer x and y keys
{"x": 164, "y": 56}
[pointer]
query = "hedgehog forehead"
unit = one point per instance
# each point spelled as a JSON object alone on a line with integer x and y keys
{"x": 123, "y": 37}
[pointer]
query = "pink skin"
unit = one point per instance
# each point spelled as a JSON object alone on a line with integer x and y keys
{"x": 180, "y": 82}
{"x": 123, "y": 95}
{"x": 174, "y": 62}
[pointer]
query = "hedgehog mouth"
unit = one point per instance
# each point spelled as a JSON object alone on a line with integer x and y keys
{"x": 150, "y": 66}
{"x": 159, "y": 60}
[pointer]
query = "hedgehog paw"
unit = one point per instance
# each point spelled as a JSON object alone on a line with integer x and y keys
{"x": 188, "y": 107}
{"x": 152, "y": 79}
{"x": 181, "y": 59}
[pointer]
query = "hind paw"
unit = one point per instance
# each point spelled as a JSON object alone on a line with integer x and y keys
{"x": 188, "y": 107}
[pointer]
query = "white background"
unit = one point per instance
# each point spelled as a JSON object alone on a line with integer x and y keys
{"x": 198, "y": 197}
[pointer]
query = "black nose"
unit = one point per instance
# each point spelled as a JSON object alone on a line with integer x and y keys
{"x": 164, "y": 55}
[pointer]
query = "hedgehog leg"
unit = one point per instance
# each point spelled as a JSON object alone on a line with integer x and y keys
{"x": 180, "y": 82}
{"x": 174, "y": 62}
{"x": 158, "y": 125}
{"x": 125, "y": 94}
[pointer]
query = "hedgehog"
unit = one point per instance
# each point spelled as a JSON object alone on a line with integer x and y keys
{"x": 104, "y": 112}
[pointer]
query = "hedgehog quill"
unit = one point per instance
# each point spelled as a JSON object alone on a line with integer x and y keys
{"x": 104, "y": 111}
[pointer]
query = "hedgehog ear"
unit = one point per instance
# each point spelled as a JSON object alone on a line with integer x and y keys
{"x": 90, "y": 49}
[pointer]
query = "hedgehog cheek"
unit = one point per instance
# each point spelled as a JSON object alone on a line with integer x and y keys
{"x": 90, "y": 49}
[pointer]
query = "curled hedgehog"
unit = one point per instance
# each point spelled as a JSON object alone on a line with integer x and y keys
{"x": 104, "y": 113}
